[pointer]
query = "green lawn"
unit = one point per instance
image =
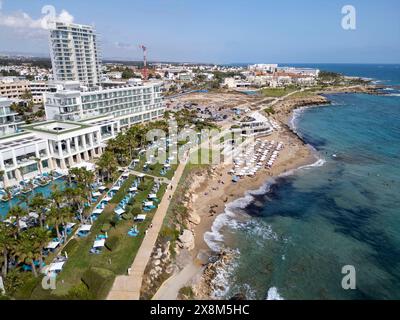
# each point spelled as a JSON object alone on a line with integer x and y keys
{"x": 277, "y": 92}
{"x": 306, "y": 93}
{"x": 154, "y": 169}
{"x": 123, "y": 252}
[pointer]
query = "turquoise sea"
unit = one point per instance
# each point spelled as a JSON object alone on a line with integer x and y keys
{"x": 293, "y": 236}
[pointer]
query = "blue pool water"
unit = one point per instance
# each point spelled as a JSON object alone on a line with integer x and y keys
{"x": 293, "y": 237}
{"x": 46, "y": 191}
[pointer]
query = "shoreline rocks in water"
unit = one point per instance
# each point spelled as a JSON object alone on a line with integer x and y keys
{"x": 205, "y": 288}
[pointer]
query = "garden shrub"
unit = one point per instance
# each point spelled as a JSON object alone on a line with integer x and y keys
{"x": 99, "y": 281}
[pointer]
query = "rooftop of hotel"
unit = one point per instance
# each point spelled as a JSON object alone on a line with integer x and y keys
{"x": 22, "y": 141}
{"x": 56, "y": 127}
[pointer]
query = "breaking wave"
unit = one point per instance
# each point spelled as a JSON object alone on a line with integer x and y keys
{"x": 273, "y": 294}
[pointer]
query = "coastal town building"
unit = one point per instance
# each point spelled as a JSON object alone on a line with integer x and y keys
{"x": 74, "y": 53}
{"x": 128, "y": 104}
{"x": 262, "y": 67}
{"x": 37, "y": 89}
{"x": 13, "y": 87}
{"x": 235, "y": 82}
{"x": 253, "y": 125}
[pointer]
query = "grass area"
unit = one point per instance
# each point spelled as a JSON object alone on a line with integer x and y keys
{"x": 115, "y": 258}
{"x": 186, "y": 293}
{"x": 154, "y": 169}
{"x": 269, "y": 110}
{"x": 309, "y": 92}
{"x": 277, "y": 92}
{"x": 123, "y": 190}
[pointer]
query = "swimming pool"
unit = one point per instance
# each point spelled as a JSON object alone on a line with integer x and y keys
{"x": 46, "y": 191}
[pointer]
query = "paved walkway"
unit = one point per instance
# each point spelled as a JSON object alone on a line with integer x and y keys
{"x": 128, "y": 287}
{"x": 169, "y": 290}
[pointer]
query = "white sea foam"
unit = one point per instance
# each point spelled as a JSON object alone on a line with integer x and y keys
{"x": 298, "y": 112}
{"x": 273, "y": 294}
{"x": 295, "y": 117}
{"x": 222, "y": 281}
{"x": 215, "y": 238}
{"x": 394, "y": 95}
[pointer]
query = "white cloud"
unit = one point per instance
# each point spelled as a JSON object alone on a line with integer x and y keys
{"x": 19, "y": 20}
{"x": 65, "y": 17}
{"x": 22, "y": 20}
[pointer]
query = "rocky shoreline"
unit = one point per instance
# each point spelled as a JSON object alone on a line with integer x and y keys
{"x": 188, "y": 240}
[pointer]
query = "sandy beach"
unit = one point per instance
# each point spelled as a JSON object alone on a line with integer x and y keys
{"x": 209, "y": 194}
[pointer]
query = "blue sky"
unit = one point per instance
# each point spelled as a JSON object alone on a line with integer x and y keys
{"x": 218, "y": 31}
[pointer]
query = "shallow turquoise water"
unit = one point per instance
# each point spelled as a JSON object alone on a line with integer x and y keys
{"x": 294, "y": 239}
{"x": 46, "y": 191}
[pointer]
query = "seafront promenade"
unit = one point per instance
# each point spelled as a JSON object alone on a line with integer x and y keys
{"x": 127, "y": 287}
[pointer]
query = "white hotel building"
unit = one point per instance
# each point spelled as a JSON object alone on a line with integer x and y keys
{"x": 80, "y": 119}
{"x": 78, "y": 127}
{"x": 74, "y": 53}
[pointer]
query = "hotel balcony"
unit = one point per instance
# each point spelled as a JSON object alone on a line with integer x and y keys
{"x": 9, "y": 164}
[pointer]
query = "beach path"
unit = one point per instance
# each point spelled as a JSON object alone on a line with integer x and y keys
{"x": 127, "y": 287}
{"x": 169, "y": 290}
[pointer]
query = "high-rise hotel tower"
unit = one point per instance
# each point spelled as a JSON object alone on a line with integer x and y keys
{"x": 74, "y": 53}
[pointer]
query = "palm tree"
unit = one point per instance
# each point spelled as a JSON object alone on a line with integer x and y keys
{"x": 119, "y": 147}
{"x": 8, "y": 192}
{"x": 65, "y": 215}
{"x": 40, "y": 238}
{"x": 39, "y": 205}
{"x": 57, "y": 196}
{"x": 17, "y": 212}
{"x": 107, "y": 164}
{"x": 7, "y": 245}
{"x": 22, "y": 198}
{"x": 84, "y": 179}
{"x": 54, "y": 218}
{"x": 76, "y": 199}
{"x": 30, "y": 247}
